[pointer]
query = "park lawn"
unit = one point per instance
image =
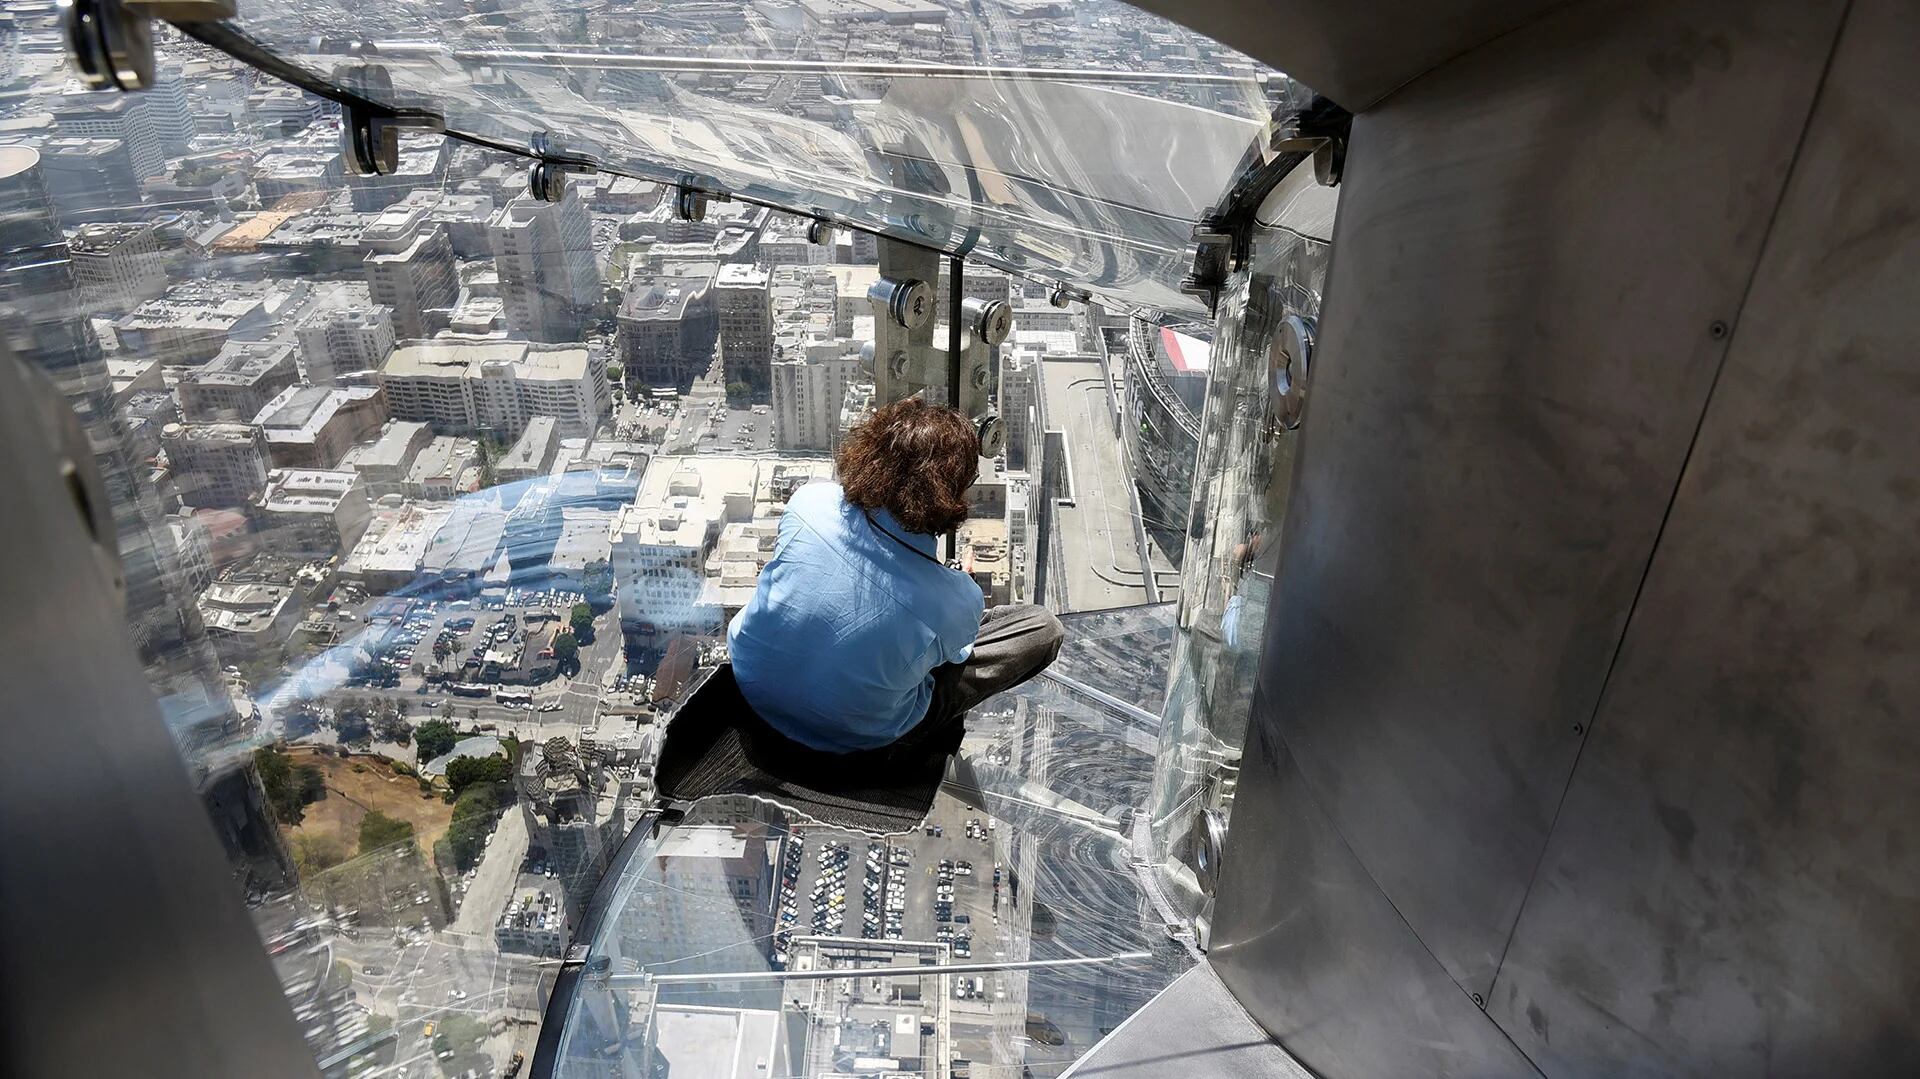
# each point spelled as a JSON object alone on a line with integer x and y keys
{"x": 351, "y": 794}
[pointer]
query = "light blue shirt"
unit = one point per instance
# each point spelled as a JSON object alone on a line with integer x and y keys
{"x": 837, "y": 647}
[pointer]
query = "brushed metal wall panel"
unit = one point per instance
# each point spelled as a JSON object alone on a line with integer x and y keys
{"x": 1315, "y": 953}
{"x": 1734, "y": 885}
{"x": 1353, "y": 53}
{"x": 1533, "y": 245}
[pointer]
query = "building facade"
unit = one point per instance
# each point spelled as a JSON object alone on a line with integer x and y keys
{"x": 745, "y": 314}
{"x": 549, "y": 279}
{"x": 410, "y": 268}
{"x": 216, "y": 464}
{"x": 496, "y": 387}
{"x": 344, "y": 340}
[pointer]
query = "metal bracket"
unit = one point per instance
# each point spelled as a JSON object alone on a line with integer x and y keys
{"x": 691, "y": 202}
{"x": 1223, "y": 238}
{"x": 370, "y": 134}
{"x": 1063, "y": 295}
{"x": 547, "y": 178}
{"x": 111, "y": 41}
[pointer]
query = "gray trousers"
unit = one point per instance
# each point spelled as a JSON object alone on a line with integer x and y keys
{"x": 1016, "y": 642}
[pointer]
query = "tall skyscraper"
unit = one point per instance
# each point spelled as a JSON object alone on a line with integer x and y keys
{"x": 543, "y": 252}
{"x": 807, "y": 395}
{"x": 410, "y": 268}
{"x": 746, "y": 324}
{"x": 119, "y": 117}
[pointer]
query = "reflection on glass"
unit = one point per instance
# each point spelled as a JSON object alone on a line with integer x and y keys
{"x": 1240, "y": 494}
{"x": 1079, "y": 143}
{"x": 432, "y": 498}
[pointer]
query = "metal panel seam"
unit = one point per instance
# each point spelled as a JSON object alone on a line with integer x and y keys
{"x": 1673, "y": 495}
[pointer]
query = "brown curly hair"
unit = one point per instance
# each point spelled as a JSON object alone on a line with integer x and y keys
{"x": 913, "y": 459}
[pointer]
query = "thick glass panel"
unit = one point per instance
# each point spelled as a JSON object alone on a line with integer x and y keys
{"x": 1243, "y": 480}
{"x": 1025, "y": 868}
{"x": 1072, "y": 142}
{"x": 433, "y": 498}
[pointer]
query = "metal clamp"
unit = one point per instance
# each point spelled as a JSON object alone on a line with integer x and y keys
{"x": 1062, "y": 295}
{"x": 1209, "y": 838}
{"x": 547, "y": 179}
{"x": 370, "y": 134}
{"x": 110, "y": 42}
{"x": 820, "y": 233}
{"x": 909, "y": 303}
{"x": 1288, "y": 362}
{"x": 1223, "y": 239}
{"x": 691, "y": 202}
{"x": 990, "y": 320}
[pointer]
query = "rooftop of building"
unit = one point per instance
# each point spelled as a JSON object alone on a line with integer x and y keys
{"x": 458, "y": 358}
{"x": 741, "y": 275}
{"x": 235, "y": 434}
{"x": 300, "y": 413}
{"x": 390, "y": 448}
{"x": 241, "y": 363}
{"x": 104, "y": 237}
{"x": 306, "y": 490}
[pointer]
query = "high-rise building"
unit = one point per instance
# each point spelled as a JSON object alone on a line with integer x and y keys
{"x": 118, "y": 266}
{"x": 165, "y": 112}
{"x": 314, "y": 426}
{"x": 311, "y": 513}
{"x": 745, "y": 314}
{"x": 119, "y": 118}
{"x": 90, "y": 178}
{"x": 667, "y": 325}
{"x": 342, "y": 340}
{"x": 47, "y": 326}
{"x": 543, "y": 253}
{"x": 808, "y": 392}
{"x": 216, "y": 464}
{"x": 410, "y": 269}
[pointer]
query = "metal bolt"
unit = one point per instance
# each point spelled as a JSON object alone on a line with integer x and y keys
{"x": 1718, "y": 330}
{"x": 1480, "y": 1002}
{"x": 1578, "y": 730}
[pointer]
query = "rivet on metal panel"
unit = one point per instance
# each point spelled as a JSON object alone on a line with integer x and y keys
{"x": 1579, "y": 730}
{"x": 1718, "y": 330}
{"x": 1480, "y": 1002}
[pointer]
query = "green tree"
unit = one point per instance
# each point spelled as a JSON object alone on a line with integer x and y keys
{"x": 599, "y": 584}
{"x": 353, "y": 728}
{"x": 289, "y": 788}
{"x": 566, "y": 650}
{"x": 459, "y": 1034}
{"x": 434, "y": 738}
{"x": 473, "y": 816}
{"x": 378, "y": 830}
{"x": 582, "y": 623}
{"x": 464, "y": 772}
{"x": 391, "y": 727}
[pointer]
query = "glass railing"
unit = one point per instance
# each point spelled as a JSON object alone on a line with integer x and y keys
{"x": 389, "y": 458}
{"x": 1077, "y": 143}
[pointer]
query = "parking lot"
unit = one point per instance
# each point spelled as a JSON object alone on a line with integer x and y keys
{"x": 936, "y": 884}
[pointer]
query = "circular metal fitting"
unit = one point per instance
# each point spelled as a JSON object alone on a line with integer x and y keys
{"x": 691, "y": 204}
{"x": 547, "y": 181}
{"x": 1289, "y": 362}
{"x": 866, "y": 358}
{"x": 1209, "y": 837}
{"x": 371, "y": 148}
{"x": 820, "y": 233}
{"x": 111, "y": 47}
{"x": 909, "y": 303}
{"x": 979, "y": 376}
{"x": 991, "y": 320}
{"x": 993, "y": 435}
{"x": 1060, "y": 297}
{"x": 897, "y": 365}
